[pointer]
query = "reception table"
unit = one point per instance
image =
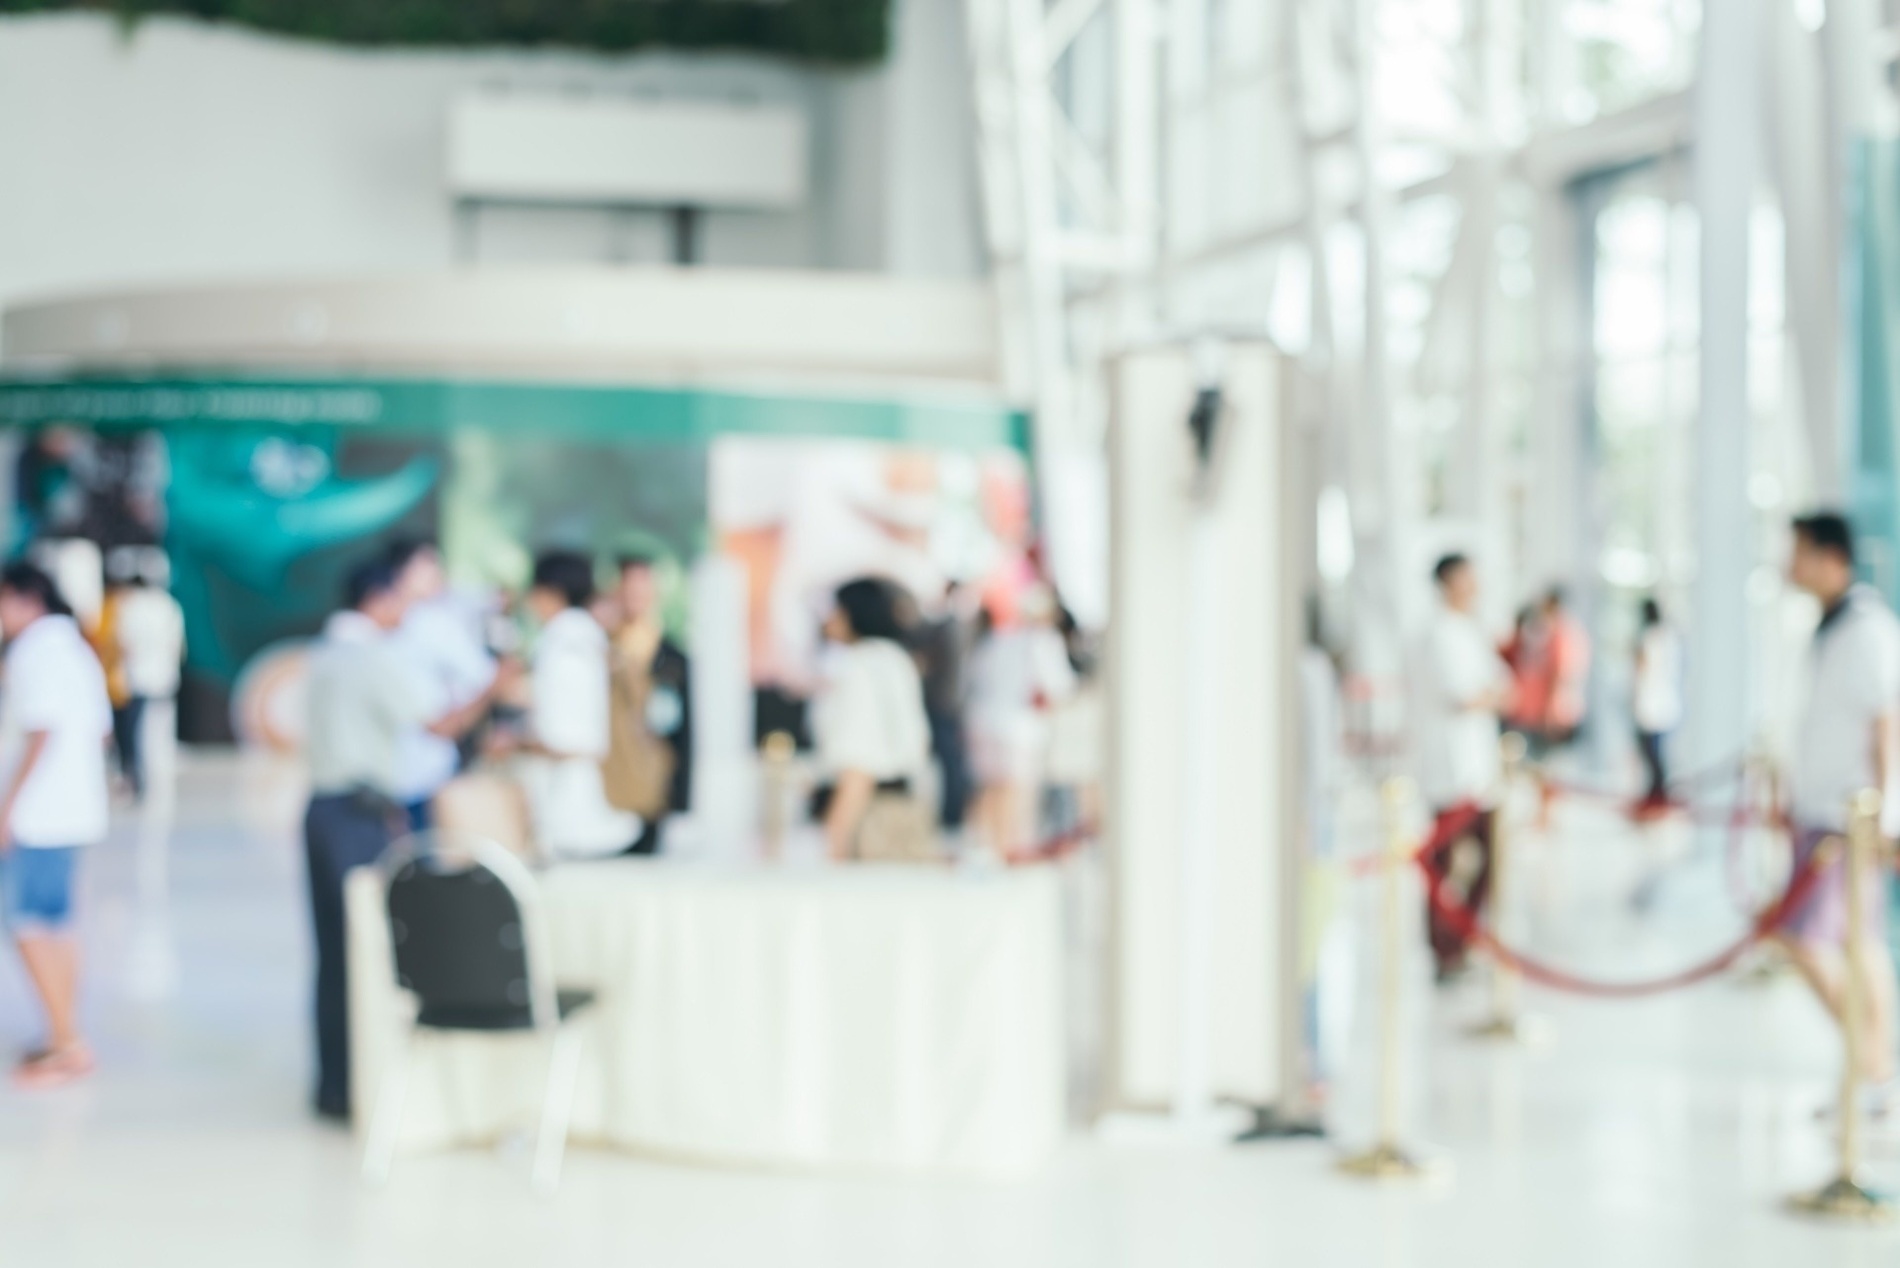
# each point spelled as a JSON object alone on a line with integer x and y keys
{"x": 888, "y": 1018}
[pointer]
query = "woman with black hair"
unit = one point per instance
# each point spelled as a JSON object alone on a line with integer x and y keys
{"x": 569, "y": 718}
{"x": 1658, "y": 699}
{"x": 872, "y": 733}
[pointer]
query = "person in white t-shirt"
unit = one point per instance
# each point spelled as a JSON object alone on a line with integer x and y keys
{"x": 150, "y": 630}
{"x": 55, "y": 723}
{"x": 1461, "y": 686}
{"x": 441, "y": 642}
{"x": 569, "y": 718}
{"x": 1657, "y": 706}
{"x": 1848, "y": 742}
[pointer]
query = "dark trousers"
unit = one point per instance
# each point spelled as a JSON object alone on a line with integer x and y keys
{"x": 948, "y": 746}
{"x": 648, "y": 842}
{"x": 1449, "y": 944}
{"x": 1651, "y": 743}
{"x": 340, "y": 833}
{"x": 128, "y": 720}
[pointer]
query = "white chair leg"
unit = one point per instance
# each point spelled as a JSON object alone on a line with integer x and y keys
{"x": 386, "y": 1125}
{"x": 563, "y": 1072}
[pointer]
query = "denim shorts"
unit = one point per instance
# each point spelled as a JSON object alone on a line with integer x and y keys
{"x": 36, "y": 887}
{"x": 1820, "y": 918}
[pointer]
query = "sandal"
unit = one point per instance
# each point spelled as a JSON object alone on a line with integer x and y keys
{"x": 55, "y": 1068}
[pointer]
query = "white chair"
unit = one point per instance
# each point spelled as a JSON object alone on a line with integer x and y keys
{"x": 471, "y": 951}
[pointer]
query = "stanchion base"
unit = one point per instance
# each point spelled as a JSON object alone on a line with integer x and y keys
{"x": 1271, "y": 1124}
{"x": 1844, "y": 1199}
{"x": 1767, "y": 972}
{"x": 1524, "y": 1029}
{"x": 1390, "y": 1162}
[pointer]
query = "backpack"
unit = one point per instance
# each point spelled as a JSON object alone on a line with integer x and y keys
{"x": 637, "y": 773}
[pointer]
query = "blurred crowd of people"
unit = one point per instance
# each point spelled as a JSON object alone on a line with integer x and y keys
{"x": 996, "y": 714}
{"x": 564, "y": 728}
{"x": 1846, "y": 742}
{"x": 1468, "y": 691}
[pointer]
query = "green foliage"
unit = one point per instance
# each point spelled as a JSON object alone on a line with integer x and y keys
{"x": 840, "y": 31}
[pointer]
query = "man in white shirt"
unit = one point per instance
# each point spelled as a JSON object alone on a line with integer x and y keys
{"x": 569, "y": 717}
{"x": 448, "y": 665}
{"x": 1461, "y": 686}
{"x": 55, "y": 719}
{"x": 1847, "y": 743}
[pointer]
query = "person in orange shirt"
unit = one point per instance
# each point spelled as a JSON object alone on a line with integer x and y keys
{"x": 1567, "y": 645}
{"x": 1565, "y": 688}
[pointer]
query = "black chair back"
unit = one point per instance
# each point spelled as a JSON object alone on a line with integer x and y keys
{"x": 460, "y": 941}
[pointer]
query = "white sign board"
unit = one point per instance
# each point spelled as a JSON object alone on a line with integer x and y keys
{"x": 628, "y": 152}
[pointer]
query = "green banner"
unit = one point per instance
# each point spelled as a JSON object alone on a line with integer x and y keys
{"x": 619, "y": 413}
{"x": 840, "y": 31}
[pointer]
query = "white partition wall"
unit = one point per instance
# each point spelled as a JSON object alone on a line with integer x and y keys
{"x": 1174, "y": 792}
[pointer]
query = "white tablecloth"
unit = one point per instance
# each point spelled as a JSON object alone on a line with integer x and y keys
{"x": 867, "y": 1017}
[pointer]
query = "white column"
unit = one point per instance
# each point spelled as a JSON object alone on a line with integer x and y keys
{"x": 725, "y": 780}
{"x": 1728, "y": 110}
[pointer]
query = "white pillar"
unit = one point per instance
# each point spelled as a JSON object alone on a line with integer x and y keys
{"x": 1728, "y": 110}
{"x": 725, "y": 783}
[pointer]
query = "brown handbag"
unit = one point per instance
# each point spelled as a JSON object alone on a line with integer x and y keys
{"x": 897, "y": 828}
{"x": 637, "y": 773}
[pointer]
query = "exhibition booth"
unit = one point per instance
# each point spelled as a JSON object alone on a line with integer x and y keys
{"x": 767, "y": 436}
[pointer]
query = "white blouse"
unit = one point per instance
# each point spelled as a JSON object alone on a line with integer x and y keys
{"x": 870, "y": 715}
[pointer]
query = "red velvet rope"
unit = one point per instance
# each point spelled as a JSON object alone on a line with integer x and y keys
{"x": 1468, "y": 926}
{"x": 1445, "y": 833}
{"x": 1677, "y": 787}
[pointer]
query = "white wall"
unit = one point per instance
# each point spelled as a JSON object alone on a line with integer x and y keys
{"x": 183, "y": 152}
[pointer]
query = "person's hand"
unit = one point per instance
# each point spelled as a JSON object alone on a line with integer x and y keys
{"x": 511, "y": 677}
{"x": 500, "y": 744}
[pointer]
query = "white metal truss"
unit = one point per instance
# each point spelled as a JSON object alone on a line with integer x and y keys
{"x": 1113, "y": 133}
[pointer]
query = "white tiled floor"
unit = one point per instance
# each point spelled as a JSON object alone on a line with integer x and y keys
{"x": 1661, "y": 1132}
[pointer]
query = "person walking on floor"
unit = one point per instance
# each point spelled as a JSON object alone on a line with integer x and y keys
{"x": 364, "y": 697}
{"x": 1657, "y": 704}
{"x": 1461, "y": 688}
{"x": 55, "y": 720}
{"x": 1848, "y": 741}
{"x": 150, "y": 629}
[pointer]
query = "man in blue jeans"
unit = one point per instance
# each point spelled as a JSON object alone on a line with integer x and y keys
{"x": 364, "y": 697}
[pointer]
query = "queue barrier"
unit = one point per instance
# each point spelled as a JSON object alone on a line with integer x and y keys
{"x": 1842, "y": 1198}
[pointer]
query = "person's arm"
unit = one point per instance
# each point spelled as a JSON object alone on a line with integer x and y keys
{"x": 1883, "y": 686}
{"x": 29, "y": 759}
{"x": 1886, "y": 751}
{"x": 458, "y": 722}
{"x": 850, "y": 799}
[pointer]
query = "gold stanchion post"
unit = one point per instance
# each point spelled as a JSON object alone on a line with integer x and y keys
{"x": 1844, "y": 1198}
{"x": 780, "y": 749}
{"x": 1388, "y": 1159}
